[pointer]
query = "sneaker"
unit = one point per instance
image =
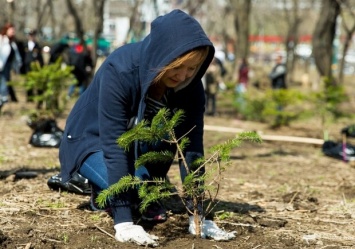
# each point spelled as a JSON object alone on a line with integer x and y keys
{"x": 155, "y": 212}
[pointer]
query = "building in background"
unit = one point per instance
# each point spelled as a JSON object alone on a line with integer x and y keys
{"x": 116, "y": 27}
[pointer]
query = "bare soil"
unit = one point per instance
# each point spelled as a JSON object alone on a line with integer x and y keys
{"x": 274, "y": 194}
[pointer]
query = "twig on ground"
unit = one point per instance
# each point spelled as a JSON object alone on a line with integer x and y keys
{"x": 237, "y": 224}
{"x": 293, "y": 197}
{"x": 53, "y": 240}
{"x": 102, "y": 230}
{"x": 10, "y": 209}
{"x": 344, "y": 199}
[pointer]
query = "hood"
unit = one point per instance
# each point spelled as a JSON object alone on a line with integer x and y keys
{"x": 171, "y": 36}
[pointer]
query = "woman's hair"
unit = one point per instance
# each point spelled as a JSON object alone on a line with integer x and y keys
{"x": 5, "y": 28}
{"x": 199, "y": 53}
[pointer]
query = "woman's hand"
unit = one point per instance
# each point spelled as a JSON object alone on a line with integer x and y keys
{"x": 209, "y": 229}
{"x": 127, "y": 232}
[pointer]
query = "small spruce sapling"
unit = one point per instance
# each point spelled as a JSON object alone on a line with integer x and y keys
{"x": 197, "y": 187}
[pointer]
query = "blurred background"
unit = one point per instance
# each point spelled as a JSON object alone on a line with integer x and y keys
{"x": 258, "y": 29}
{"x": 315, "y": 38}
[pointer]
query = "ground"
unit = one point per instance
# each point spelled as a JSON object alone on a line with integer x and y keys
{"x": 274, "y": 194}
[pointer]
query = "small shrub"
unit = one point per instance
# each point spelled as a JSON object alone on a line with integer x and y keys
{"x": 277, "y": 107}
{"x": 50, "y": 82}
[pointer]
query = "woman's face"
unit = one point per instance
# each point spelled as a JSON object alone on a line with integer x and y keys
{"x": 10, "y": 32}
{"x": 175, "y": 76}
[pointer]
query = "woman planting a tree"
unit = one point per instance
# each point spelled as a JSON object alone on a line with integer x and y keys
{"x": 134, "y": 83}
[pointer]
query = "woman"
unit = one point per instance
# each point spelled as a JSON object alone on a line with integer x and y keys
{"x": 133, "y": 83}
{"x": 10, "y": 58}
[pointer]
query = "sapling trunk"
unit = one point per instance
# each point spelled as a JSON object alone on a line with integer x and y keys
{"x": 197, "y": 219}
{"x": 195, "y": 198}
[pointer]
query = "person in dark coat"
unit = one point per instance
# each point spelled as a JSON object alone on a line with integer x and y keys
{"x": 80, "y": 58}
{"x": 278, "y": 74}
{"x": 32, "y": 54}
{"x": 213, "y": 79}
{"x": 133, "y": 83}
{"x": 57, "y": 50}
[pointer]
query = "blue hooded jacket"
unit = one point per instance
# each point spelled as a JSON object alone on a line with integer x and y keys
{"x": 118, "y": 90}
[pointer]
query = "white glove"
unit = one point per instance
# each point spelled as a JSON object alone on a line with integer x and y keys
{"x": 209, "y": 229}
{"x": 127, "y": 232}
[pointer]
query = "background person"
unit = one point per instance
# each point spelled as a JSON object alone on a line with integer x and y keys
{"x": 10, "y": 59}
{"x": 80, "y": 58}
{"x": 278, "y": 74}
{"x": 212, "y": 80}
{"x": 133, "y": 83}
{"x": 243, "y": 76}
{"x": 242, "y": 82}
{"x": 32, "y": 52}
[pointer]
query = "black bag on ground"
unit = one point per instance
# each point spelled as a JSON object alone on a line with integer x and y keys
{"x": 78, "y": 184}
{"x": 46, "y": 133}
{"x": 335, "y": 150}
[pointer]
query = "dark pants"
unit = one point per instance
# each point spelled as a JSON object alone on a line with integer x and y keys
{"x": 211, "y": 104}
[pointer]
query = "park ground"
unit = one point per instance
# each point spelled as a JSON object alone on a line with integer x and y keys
{"x": 274, "y": 194}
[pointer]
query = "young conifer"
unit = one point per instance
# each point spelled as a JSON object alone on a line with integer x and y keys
{"x": 197, "y": 187}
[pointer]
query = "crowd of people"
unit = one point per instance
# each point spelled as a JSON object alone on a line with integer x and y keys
{"x": 17, "y": 56}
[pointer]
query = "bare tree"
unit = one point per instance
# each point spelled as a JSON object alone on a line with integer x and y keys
{"x": 12, "y": 8}
{"x": 99, "y": 20}
{"x": 323, "y": 37}
{"x": 52, "y": 18}
{"x": 242, "y": 9}
{"x": 193, "y": 6}
{"x": 77, "y": 20}
{"x": 134, "y": 19}
{"x": 293, "y": 20}
{"x": 349, "y": 32}
{"x": 294, "y": 13}
{"x": 41, "y": 11}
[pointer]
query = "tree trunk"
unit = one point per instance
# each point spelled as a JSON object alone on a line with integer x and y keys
{"x": 323, "y": 37}
{"x": 293, "y": 20}
{"x": 241, "y": 24}
{"x": 41, "y": 10}
{"x": 133, "y": 18}
{"x": 99, "y": 15}
{"x": 52, "y": 18}
{"x": 193, "y": 6}
{"x": 78, "y": 23}
{"x": 349, "y": 32}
